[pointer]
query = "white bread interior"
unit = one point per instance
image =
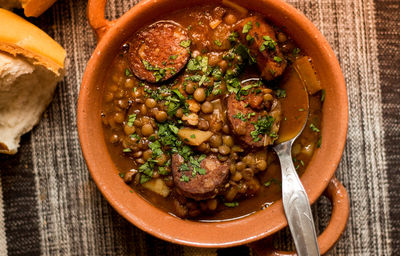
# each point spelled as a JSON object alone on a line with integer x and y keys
{"x": 25, "y": 91}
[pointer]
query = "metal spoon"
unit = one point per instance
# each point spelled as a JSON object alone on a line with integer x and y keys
{"x": 295, "y": 200}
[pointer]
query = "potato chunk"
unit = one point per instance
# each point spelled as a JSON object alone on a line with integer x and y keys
{"x": 194, "y": 137}
{"x": 158, "y": 186}
{"x": 307, "y": 74}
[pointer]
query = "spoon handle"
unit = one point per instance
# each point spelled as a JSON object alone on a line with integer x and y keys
{"x": 296, "y": 205}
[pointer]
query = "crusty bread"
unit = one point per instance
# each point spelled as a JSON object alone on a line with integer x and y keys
{"x": 32, "y": 8}
{"x": 31, "y": 64}
{"x": 25, "y": 91}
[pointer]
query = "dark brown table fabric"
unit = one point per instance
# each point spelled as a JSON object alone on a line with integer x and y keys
{"x": 50, "y": 206}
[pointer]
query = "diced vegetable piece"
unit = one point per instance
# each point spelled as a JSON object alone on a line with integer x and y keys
{"x": 158, "y": 186}
{"x": 194, "y": 137}
{"x": 307, "y": 74}
{"x": 214, "y": 23}
{"x": 235, "y": 6}
{"x": 218, "y": 110}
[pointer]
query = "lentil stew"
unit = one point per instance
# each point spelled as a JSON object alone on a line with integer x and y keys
{"x": 192, "y": 102}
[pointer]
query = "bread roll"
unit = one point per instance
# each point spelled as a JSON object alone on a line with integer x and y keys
{"x": 32, "y": 8}
{"x": 31, "y": 64}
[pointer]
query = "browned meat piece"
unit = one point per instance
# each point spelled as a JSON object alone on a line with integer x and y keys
{"x": 261, "y": 40}
{"x": 244, "y": 113}
{"x": 200, "y": 187}
{"x": 159, "y": 51}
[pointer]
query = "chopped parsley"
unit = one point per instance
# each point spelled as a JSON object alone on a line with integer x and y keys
{"x": 244, "y": 52}
{"x": 322, "y": 95}
{"x": 128, "y": 72}
{"x": 216, "y": 90}
{"x": 231, "y": 204}
{"x": 127, "y": 150}
{"x": 245, "y": 90}
{"x": 218, "y": 43}
{"x": 233, "y": 85}
{"x": 197, "y": 64}
{"x": 268, "y": 183}
{"x": 257, "y": 24}
{"x": 131, "y": 119}
{"x": 233, "y": 36}
{"x": 247, "y": 27}
{"x": 184, "y": 178}
{"x": 192, "y": 163}
{"x": 280, "y": 93}
{"x": 173, "y": 57}
{"x": 244, "y": 117}
{"x": 277, "y": 59}
{"x": 175, "y": 101}
{"x": 314, "y": 128}
{"x": 144, "y": 179}
{"x": 217, "y": 73}
{"x": 262, "y": 126}
{"x": 319, "y": 141}
{"x": 159, "y": 73}
{"x": 135, "y": 136}
{"x": 185, "y": 43}
{"x": 249, "y": 38}
{"x": 193, "y": 136}
{"x": 296, "y": 51}
{"x": 268, "y": 43}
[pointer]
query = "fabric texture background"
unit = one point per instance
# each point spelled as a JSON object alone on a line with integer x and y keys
{"x": 49, "y": 205}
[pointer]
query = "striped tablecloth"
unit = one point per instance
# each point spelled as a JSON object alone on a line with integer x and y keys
{"x": 50, "y": 206}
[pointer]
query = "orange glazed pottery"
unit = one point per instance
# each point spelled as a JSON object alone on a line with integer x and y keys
{"x": 318, "y": 177}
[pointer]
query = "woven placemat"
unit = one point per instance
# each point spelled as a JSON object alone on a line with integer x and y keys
{"x": 50, "y": 206}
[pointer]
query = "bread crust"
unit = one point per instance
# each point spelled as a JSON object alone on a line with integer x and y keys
{"x": 35, "y": 8}
{"x": 35, "y": 58}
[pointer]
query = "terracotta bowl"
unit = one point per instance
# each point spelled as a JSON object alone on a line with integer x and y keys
{"x": 318, "y": 177}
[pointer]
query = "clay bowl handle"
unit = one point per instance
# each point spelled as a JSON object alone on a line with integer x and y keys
{"x": 96, "y": 17}
{"x": 339, "y": 198}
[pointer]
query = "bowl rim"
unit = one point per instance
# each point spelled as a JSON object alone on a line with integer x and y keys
{"x": 163, "y": 225}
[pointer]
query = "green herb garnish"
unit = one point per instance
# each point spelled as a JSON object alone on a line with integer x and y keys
{"x": 128, "y": 72}
{"x": 322, "y": 95}
{"x": 247, "y": 27}
{"x": 277, "y": 59}
{"x": 131, "y": 119}
{"x": 314, "y": 128}
{"x": 218, "y": 43}
{"x": 268, "y": 43}
{"x": 280, "y": 93}
{"x": 185, "y": 43}
{"x": 261, "y": 127}
{"x": 232, "y": 204}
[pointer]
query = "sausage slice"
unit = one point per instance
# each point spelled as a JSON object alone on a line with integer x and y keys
{"x": 159, "y": 51}
{"x": 200, "y": 187}
{"x": 243, "y": 114}
{"x": 261, "y": 40}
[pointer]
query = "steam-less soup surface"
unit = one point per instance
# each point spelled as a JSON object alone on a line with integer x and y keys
{"x": 193, "y": 103}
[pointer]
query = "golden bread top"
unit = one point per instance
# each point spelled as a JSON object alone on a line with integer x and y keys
{"x": 18, "y": 36}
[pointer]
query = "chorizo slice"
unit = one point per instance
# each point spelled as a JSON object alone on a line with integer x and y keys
{"x": 255, "y": 123}
{"x": 159, "y": 51}
{"x": 261, "y": 41}
{"x": 200, "y": 186}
